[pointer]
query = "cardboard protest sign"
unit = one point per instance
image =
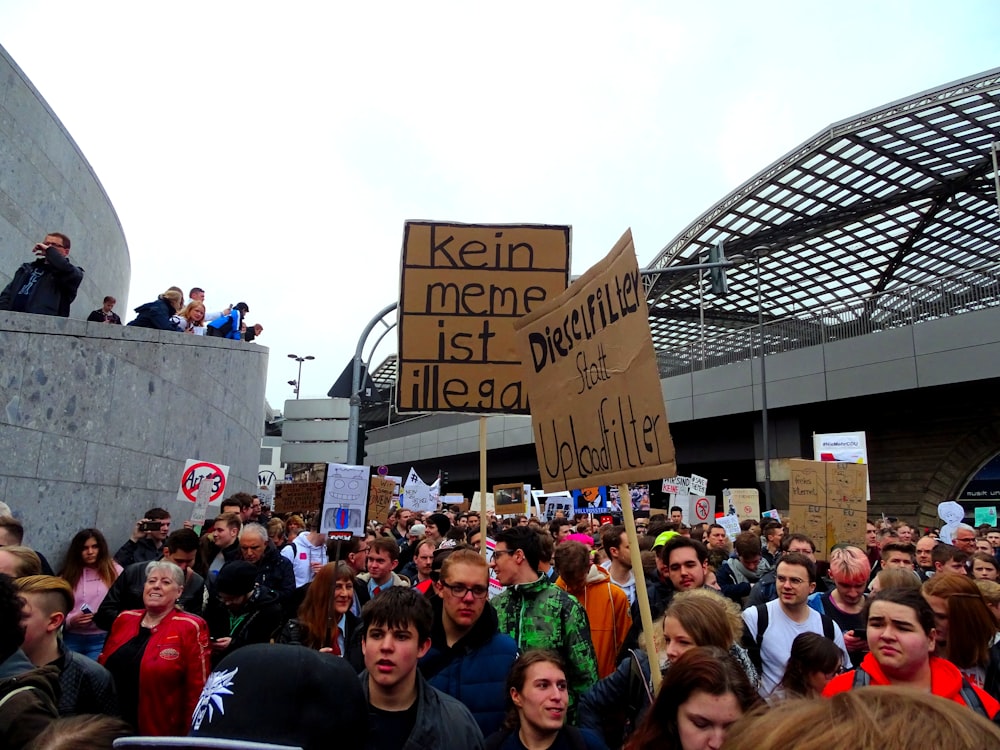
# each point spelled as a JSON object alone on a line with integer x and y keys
{"x": 461, "y": 288}
{"x": 194, "y": 472}
{"x": 745, "y": 502}
{"x": 345, "y": 499}
{"x": 731, "y": 524}
{"x": 509, "y": 499}
{"x": 380, "y": 492}
{"x": 588, "y": 362}
{"x": 827, "y": 502}
{"x": 298, "y": 497}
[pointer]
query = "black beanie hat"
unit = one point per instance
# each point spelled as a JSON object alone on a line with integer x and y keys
{"x": 236, "y": 578}
{"x": 311, "y": 699}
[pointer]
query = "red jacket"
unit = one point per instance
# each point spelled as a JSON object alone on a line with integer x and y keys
{"x": 173, "y": 671}
{"x": 946, "y": 682}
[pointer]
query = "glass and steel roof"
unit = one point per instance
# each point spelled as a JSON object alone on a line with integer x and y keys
{"x": 894, "y": 198}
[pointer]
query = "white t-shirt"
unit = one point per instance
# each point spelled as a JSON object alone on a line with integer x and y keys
{"x": 776, "y": 647}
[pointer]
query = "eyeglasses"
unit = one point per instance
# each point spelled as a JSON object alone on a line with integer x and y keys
{"x": 503, "y": 552}
{"x": 459, "y": 590}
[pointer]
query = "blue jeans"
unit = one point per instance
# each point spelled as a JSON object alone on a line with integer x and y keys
{"x": 87, "y": 644}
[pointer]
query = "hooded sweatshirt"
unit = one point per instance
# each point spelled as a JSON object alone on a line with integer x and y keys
{"x": 607, "y": 610}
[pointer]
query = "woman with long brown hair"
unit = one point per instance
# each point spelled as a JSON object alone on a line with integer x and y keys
{"x": 703, "y": 693}
{"x": 324, "y": 621}
{"x": 966, "y": 629}
{"x": 90, "y": 570}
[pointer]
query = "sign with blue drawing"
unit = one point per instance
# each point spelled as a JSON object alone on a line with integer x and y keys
{"x": 345, "y": 499}
{"x": 591, "y": 500}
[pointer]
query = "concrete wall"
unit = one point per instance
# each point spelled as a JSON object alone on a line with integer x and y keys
{"x": 96, "y": 422}
{"x": 46, "y": 185}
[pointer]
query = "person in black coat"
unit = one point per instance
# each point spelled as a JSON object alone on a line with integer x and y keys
{"x": 46, "y": 286}
{"x": 240, "y": 613}
{"x": 158, "y": 313}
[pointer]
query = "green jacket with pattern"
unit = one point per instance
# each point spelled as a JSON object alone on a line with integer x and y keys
{"x": 541, "y": 615}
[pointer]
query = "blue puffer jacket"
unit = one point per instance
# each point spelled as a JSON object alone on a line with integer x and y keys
{"x": 474, "y": 670}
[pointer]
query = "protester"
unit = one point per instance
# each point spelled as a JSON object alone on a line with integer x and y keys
{"x": 230, "y": 326}
{"x": 85, "y": 687}
{"x": 537, "y": 614}
{"x": 106, "y": 313}
{"x": 158, "y": 313}
{"x": 146, "y": 542}
{"x": 274, "y": 572}
{"x": 965, "y": 629}
{"x": 158, "y": 656}
{"x": 405, "y": 711}
{"x": 984, "y": 567}
{"x": 737, "y": 575}
{"x": 28, "y": 694}
{"x": 85, "y": 732}
{"x": 383, "y": 557}
{"x": 307, "y": 553}
{"x": 849, "y": 568}
{"x": 606, "y": 605}
{"x": 765, "y": 589}
{"x": 538, "y": 705}
{"x": 814, "y": 661}
{"x": 771, "y": 627}
{"x": 18, "y": 561}
{"x": 702, "y": 696}
{"x": 221, "y": 545}
{"x": 614, "y": 540}
{"x": 240, "y": 613}
{"x": 46, "y": 286}
{"x": 90, "y": 571}
{"x": 324, "y": 621}
{"x": 191, "y": 318}
{"x": 876, "y": 718}
{"x": 128, "y": 590}
{"x": 902, "y": 639}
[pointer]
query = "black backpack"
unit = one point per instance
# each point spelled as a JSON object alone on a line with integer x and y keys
{"x": 753, "y": 644}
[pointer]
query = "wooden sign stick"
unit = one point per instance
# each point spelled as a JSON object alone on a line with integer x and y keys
{"x": 482, "y": 485}
{"x": 642, "y": 596}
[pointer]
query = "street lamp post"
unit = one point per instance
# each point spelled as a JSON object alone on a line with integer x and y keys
{"x": 298, "y": 382}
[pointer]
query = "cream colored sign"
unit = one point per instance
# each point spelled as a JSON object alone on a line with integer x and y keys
{"x": 589, "y": 366}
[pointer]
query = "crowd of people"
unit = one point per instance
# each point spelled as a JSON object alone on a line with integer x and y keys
{"x": 48, "y": 285}
{"x": 538, "y": 647}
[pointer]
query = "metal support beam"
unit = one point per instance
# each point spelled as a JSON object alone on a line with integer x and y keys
{"x": 358, "y": 367}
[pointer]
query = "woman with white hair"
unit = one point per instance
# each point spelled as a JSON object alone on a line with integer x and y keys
{"x": 158, "y": 656}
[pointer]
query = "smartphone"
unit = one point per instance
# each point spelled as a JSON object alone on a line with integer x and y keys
{"x": 861, "y": 634}
{"x": 86, "y": 609}
{"x": 149, "y": 526}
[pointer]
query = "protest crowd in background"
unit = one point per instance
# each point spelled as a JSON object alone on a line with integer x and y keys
{"x": 262, "y": 630}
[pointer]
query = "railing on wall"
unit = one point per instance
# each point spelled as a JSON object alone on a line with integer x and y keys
{"x": 954, "y": 294}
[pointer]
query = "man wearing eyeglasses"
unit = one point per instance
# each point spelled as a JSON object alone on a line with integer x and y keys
{"x": 469, "y": 657}
{"x": 770, "y": 628}
{"x": 46, "y": 286}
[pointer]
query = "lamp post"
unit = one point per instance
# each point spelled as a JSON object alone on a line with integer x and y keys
{"x": 298, "y": 381}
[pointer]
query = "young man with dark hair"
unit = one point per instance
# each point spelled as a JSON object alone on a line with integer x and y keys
{"x": 145, "y": 546}
{"x": 225, "y": 542}
{"x": 766, "y": 589}
{"x": 405, "y": 711}
{"x": 383, "y": 557}
{"x": 180, "y": 548}
{"x": 560, "y": 528}
{"x": 718, "y": 538}
{"x": 902, "y": 639}
{"x": 537, "y": 614}
{"x": 771, "y": 628}
{"x": 737, "y": 575}
{"x": 773, "y": 533}
{"x": 949, "y": 559}
{"x": 898, "y": 555}
{"x": 677, "y": 515}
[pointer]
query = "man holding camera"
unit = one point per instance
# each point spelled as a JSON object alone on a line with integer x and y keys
{"x": 46, "y": 286}
{"x": 146, "y": 542}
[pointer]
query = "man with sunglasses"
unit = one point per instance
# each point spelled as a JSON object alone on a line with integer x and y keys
{"x": 469, "y": 657}
{"x": 46, "y": 286}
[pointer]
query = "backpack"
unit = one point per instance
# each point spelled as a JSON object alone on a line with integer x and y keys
{"x": 969, "y": 696}
{"x": 752, "y": 645}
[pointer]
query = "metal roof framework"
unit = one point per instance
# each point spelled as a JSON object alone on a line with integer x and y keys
{"x": 894, "y": 198}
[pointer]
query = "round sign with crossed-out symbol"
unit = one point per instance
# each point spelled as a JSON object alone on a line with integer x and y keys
{"x": 702, "y": 510}
{"x": 195, "y": 473}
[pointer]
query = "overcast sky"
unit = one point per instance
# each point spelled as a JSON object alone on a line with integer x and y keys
{"x": 271, "y": 152}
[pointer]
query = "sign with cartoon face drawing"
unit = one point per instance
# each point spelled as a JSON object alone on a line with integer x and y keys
{"x": 345, "y": 499}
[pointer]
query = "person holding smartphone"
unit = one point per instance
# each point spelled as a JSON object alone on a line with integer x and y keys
{"x": 48, "y": 285}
